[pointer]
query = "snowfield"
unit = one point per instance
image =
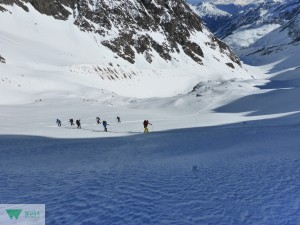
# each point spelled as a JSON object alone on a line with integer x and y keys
{"x": 244, "y": 175}
{"x": 222, "y": 148}
{"x": 244, "y": 37}
{"x": 227, "y": 153}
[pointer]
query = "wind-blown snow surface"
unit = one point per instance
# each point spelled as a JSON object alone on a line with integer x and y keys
{"x": 243, "y": 176}
{"x": 233, "y": 158}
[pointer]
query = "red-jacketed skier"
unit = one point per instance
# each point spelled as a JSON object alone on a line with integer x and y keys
{"x": 146, "y": 123}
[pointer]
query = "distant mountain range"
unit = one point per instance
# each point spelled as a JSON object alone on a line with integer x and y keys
{"x": 263, "y": 31}
{"x": 216, "y": 15}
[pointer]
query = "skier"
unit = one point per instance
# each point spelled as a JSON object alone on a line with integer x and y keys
{"x": 78, "y": 124}
{"x": 98, "y": 120}
{"x": 146, "y": 123}
{"x": 104, "y": 123}
{"x": 71, "y": 122}
{"x": 118, "y": 119}
{"x": 58, "y": 122}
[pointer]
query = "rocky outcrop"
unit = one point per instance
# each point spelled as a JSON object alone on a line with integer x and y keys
{"x": 17, "y": 2}
{"x": 135, "y": 27}
{"x": 135, "y": 20}
{"x": 2, "y": 9}
{"x": 293, "y": 27}
{"x": 2, "y": 60}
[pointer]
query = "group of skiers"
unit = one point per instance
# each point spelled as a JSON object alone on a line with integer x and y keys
{"x": 78, "y": 124}
{"x": 104, "y": 123}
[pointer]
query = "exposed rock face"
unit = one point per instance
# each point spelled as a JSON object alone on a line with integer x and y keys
{"x": 2, "y": 9}
{"x": 17, "y": 2}
{"x": 2, "y": 60}
{"x": 293, "y": 27}
{"x": 131, "y": 27}
{"x": 133, "y": 18}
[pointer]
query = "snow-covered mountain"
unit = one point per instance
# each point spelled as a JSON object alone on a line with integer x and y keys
{"x": 268, "y": 34}
{"x": 210, "y": 14}
{"x": 208, "y": 9}
{"x": 248, "y": 23}
{"x": 226, "y": 152}
{"x": 246, "y": 28}
{"x": 281, "y": 46}
{"x": 216, "y": 15}
{"x": 122, "y": 46}
{"x": 235, "y": 9}
{"x": 262, "y": 33}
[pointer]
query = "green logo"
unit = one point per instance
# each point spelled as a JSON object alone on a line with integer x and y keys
{"x": 14, "y": 213}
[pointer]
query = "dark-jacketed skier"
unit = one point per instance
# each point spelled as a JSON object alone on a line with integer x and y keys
{"x": 71, "y": 122}
{"x": 78, "y": 124}
{"x": 104, "y": 123}
{"x": 118, "y": 119}
{"x": 98, "y": 120}
{"x": 58, "y": 122}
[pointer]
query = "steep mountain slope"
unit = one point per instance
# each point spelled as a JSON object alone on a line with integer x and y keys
{"x": 246, "y": 28}
{"x": 234, "y": 8}
{"x": 216, "y": 15}
{"x": 122, "y": 46}
{"x": 210, "y": 14}
{"x": 281, "y": 45}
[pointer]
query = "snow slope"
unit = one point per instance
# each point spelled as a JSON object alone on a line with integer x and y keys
{"x": 226, "y": 153}
{"x": 279, "y": 48}
{"x": 245, "y": 36}
{"x": 210, "y": 14}
{"x": 208, "y": 9}
{"x": 241, "y": 176}
{"x": 256, "y": 22}
{"x": 38, "y": 62}
{"x": 268, "y": 35}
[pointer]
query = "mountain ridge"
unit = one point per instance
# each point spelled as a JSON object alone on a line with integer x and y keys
{"x": 101, "y": 16}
